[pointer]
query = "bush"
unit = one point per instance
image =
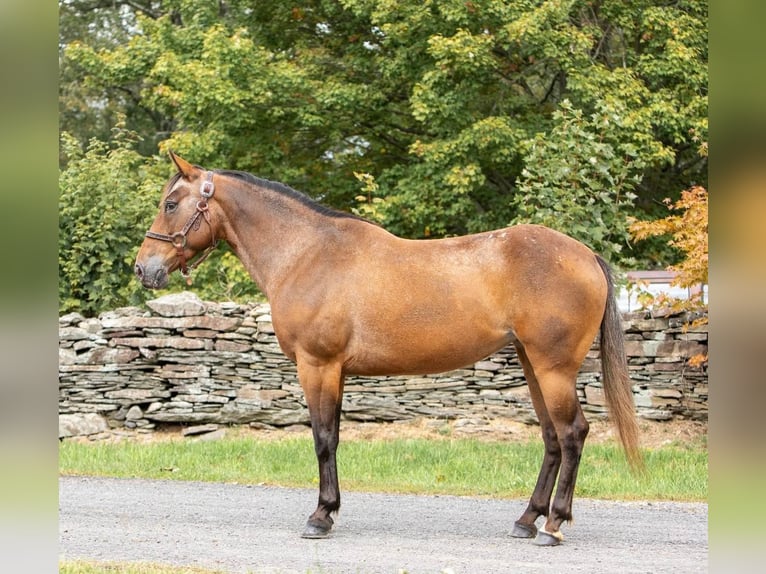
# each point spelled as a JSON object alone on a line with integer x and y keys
{"x": 107, "y": 199}
{"x": 578, "y": 184}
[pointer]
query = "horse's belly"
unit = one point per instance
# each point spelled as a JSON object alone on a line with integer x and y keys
{"x": 428, "y": 352}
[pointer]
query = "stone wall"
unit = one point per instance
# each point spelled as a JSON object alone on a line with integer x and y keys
{"x": 189, "y": 362}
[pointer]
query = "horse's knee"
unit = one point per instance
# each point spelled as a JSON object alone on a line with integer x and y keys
{"x": 325, "y": 444}
{"x": 572, "y": 436}
{"x": 321, "y": 446}
{"x": 550, "y": 441}
{"x": 580, "y": 428}
{"x": 552, "y": 444}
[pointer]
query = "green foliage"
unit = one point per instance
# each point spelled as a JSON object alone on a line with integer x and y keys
{"x": 452, "y": 108}
{"x": 579, "y": 184}
{"x": 221, "y": 277}
{"x": 108, "y": 199}
{"x": 104, "y": 209}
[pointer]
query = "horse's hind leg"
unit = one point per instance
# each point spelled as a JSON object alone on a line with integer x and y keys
{"x": 563, "y": 419}
{"x": 539, "y": 502}
{"x": 571, "y": 429}
{"x": 323, "y": 388}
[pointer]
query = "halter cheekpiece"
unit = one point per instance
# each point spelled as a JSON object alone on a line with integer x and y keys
{"x": 178, "y": 239}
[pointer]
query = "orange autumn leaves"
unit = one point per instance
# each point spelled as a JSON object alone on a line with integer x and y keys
{"x": 687, "y": 227}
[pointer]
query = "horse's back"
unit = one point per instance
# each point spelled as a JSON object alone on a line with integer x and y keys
{"x": 508, "y": 272}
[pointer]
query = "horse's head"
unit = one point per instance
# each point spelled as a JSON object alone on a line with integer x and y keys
{"x": 177, "y": 233}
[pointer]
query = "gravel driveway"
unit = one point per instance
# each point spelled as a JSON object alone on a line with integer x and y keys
{"x": 237, "y": 528}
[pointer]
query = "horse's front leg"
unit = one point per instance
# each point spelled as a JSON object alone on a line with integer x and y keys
{"x": 323, "y": 387}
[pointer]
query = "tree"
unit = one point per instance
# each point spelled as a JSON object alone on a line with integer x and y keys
{"x": 87, "y": 107}
{"x": 688, "y": 231}
{"x": 579, "y": 184}
{"x": 490, "y": 82}
{"x": 454, "y": 113}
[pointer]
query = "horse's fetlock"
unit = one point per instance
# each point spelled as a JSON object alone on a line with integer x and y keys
{"x": 329, "y": 505}
{"x": 561, "y": 513}
{"x": 540, "y": 509}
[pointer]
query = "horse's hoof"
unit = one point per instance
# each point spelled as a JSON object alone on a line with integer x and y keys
{"x": 317, "y": 529}
{"x": 314, "y": 532}
{"x": 523, "y": 531}
{"x": 548, "y": 539}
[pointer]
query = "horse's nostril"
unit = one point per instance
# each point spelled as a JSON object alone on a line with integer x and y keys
{"x": 139, "y": 269}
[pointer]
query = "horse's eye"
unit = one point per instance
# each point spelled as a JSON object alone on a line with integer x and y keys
{"x": 170, "y": 206}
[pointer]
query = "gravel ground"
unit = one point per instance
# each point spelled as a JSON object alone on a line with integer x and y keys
{"x": 237, "y": 528}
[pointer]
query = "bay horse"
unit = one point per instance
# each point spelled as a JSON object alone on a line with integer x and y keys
{"x": 349, "y": 298}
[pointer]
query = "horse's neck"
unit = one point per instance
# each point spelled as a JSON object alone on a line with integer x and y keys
{"x": 270, "y": 234}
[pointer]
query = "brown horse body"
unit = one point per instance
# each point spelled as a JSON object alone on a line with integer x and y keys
{"x": 347, "y": 297}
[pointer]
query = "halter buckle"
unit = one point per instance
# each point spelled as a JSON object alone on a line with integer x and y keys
{"x": 178, "y": 239}
{"x": 207, "y": 188}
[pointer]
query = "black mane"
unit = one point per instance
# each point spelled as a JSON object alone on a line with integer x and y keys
{"x": 290, "y": 193}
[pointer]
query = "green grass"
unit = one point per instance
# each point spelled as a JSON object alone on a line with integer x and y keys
{"x": 450, "y": 466}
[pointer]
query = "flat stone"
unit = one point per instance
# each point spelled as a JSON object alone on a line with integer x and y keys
{"x": 108, "y": 355}
{"x": 488, "y": 366}
{"x": 262, "y": 395}
{"x": 137, "y": 395}
{"x": 67, "y": 356}
{"x": 595, "y": 395}
{"x": 159, "y": 342}
{"x": 232, "y": 346}
{"x": 199, "y": 429}
{"x": 214, "y": 435}
{"x": 183, "y": 304}
{"x": 70, "y": 319}
{"x": 667, "y": 393}
{"x": 208, "y": 323}
{"x": 73, "y": 334}
{"x": 84, "y": 424}
{"x": 91, "y": 325}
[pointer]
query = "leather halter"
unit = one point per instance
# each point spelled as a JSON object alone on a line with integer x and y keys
{"x": 178, "y": 239}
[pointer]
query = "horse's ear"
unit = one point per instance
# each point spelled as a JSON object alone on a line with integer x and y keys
{"x": 186, "y": 169}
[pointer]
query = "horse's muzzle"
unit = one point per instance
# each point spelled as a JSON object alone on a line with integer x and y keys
{"x": 152, "y": 276}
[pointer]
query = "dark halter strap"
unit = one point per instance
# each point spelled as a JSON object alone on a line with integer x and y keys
{"x": 178, "y": 239}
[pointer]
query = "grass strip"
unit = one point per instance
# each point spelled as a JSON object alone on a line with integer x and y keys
{"x": 465, "y": 467}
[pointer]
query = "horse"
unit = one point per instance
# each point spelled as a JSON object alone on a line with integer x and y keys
{"x": 349, "y": 298}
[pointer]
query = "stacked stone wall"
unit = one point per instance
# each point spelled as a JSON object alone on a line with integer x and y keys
{"x": 185, "y": 361}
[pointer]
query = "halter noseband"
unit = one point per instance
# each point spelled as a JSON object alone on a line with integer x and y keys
{"x": 178, "y": 239}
